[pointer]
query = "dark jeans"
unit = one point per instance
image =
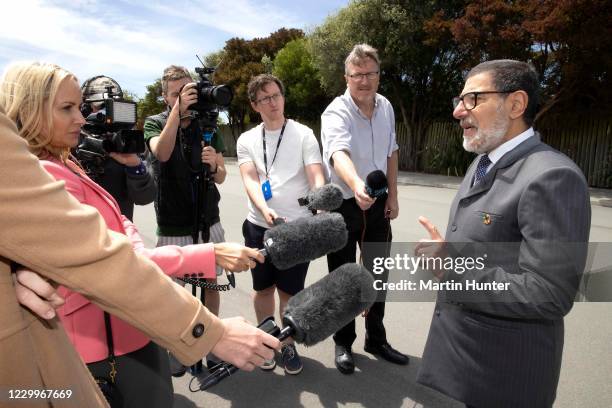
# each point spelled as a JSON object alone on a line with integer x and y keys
{"x": 377, "y": 229}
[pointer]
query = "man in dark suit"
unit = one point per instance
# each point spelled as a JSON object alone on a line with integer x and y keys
{"x": 503, "y": 348}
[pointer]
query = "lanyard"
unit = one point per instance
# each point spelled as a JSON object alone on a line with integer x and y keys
{"x": 280, "y": 138}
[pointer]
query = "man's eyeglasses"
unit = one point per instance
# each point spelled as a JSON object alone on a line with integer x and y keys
{"x": 267, "y": 99}
{"x": 470, "y": 99}
{"x": 369, "y": 75}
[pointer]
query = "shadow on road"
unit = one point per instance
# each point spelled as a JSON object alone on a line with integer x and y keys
{"x": 374, "y": 384}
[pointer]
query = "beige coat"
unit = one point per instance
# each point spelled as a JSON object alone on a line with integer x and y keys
{"x": 47, "y": 230}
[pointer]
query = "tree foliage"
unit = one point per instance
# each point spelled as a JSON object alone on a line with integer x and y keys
{"x": 569, "y": 42}
{"x": 152, "y": 103}
{"x": 242, "y": 59}
{"x": 305, "y": 99}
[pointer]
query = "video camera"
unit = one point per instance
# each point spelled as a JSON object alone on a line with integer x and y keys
{"x": 110, "y": 120}
{"x": 210, "y": 98}
{"x": 110, "y": 129}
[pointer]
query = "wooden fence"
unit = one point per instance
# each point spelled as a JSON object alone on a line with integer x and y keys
{"x": 588, "y": 142}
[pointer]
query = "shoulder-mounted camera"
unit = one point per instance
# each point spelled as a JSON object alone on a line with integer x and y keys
{"x": 110, "y": 119}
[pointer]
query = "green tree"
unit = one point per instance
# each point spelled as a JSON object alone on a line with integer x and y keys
{"x": 241, "y": 60}
{"x": 129, "y": 95}
{"x": 305, "y": 98}
{"x": 152, "y": 103}
{"x": 267, "y": 63}
{"x": 214, "y": 59}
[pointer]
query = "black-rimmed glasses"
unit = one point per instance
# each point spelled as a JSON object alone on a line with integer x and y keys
{"x": 267, "y": 99}
{"x": 470, "y": 99}
{"x": 369, "y": 75}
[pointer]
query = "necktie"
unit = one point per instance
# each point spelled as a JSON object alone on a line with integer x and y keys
{"x": 481, "y": 169}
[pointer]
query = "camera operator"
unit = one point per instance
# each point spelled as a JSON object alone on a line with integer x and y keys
{"x": 174, "y": 137}
{"x": 123, "y": 175}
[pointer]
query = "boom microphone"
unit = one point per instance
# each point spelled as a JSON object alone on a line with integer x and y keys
{"x": 326, "y": 198}
{"x": 304, "y": 239}
{"x": 316, "y": 312}
{"x": 376, "y": 184}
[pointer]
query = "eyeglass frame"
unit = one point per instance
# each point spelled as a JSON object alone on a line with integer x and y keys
{"x": 360, "y": 76}
{"x": 459, "y": 99}
{"x": 269, "y": 98}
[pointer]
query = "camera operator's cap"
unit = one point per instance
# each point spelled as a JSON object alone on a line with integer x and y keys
{"x": 97, "y": 88}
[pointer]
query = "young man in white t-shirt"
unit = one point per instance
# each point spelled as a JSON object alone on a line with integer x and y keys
{"x": 279, "y": 161}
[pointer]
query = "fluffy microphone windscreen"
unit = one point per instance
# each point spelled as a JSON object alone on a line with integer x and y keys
{"x": 376, "y": 183}
{"x": 326, "y": 198}
{"x": 305, "y": 239}
{"x": 327, "y": 305}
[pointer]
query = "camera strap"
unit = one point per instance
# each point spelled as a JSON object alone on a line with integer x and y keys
{"x": 280, "y": 138}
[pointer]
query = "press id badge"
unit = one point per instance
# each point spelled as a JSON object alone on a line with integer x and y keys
{"x": 266, "y": 189}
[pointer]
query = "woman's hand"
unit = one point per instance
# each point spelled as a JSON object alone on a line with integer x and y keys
{"x": 235, "y": 257}
{"x": 35, "y": 293}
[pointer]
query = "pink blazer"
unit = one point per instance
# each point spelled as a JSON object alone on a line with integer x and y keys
{"x": 83, "y": 321}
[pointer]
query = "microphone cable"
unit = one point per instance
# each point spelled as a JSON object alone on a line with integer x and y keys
{"x": 361, "y": 242}
{"x": 204, "y": 284}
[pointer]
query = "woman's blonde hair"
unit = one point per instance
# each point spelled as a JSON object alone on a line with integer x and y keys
{"x": 27, "y": 92}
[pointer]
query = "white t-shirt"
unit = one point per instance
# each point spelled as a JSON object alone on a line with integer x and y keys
{"x": 287, "y": 176}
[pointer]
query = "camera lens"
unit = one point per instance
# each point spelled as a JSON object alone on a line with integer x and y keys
{"x": 219, "y": 95}
{"x": 222, "y": 95}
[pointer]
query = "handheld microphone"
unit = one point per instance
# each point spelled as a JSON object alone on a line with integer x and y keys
{"x": 376, "y": 183}
{"x": 326, "y": 198}
{"x": 278, "y": 221}
{"x": 304, "y": 239}
{"x": 316, "y": 312}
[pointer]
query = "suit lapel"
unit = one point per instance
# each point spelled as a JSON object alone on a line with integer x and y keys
{"x": 507, "y": 160}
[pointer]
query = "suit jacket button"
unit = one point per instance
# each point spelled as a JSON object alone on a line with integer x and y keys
{"x": 454, "y": 228}
{"x": 198, "y": 330}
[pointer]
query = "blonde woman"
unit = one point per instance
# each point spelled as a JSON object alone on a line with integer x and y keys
{"x": 44, "y": 101}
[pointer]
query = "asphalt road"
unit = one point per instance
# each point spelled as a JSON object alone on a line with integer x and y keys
{"x": 587, "y": 362}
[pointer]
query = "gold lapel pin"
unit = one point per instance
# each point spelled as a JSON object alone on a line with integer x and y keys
{"x": 486, "y": 219}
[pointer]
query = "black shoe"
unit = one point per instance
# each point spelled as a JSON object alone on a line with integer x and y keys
{"x": 197, "y": 368}
{"x": 176, "y": 368}
{"x": 344, "y": 360}
{"x": 388, "y": 353}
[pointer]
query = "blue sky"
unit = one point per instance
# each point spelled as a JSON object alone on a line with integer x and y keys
{"x": 132, "y": 41}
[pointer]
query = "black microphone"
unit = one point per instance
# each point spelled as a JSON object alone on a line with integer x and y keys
{"x": 376, "y": 184}
{"x": 316, "y": 312}
{"x": 326, "y": 198}
{"x": 304, "y": 239}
